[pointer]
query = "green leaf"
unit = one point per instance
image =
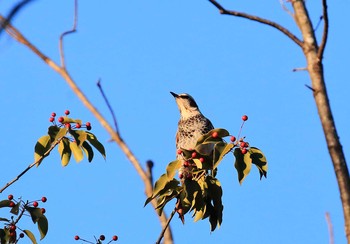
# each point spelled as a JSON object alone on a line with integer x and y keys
{"x": 258, "y": 158}
{"x": 41, "y": 147}
{"x": 242, "y": 164}
{"x": 207, "y": 138}
{"x": 70, "y": 120}
{"x": 193, "y": 194}
{"x": 172, "y": 167}
{"x": 4, "y": 219}
{"x": 215, "y": 193}
{"x": 56, "y": 133}
{"x": 158, "y": 186}
{"x": 35, "y": 213}
{"x": 220, "y": 150}
{"x": 93, "y": 140}
{"x": 30, "y": 236}
{"x": 65, "y": 151}
{"x": 4, "y": 236}
{"x": 43, "y": 226}
{"x": 5, "y": 203}
{"x": 15, "y": 209}
{"x": 88, "y": 151}
{"x": 77, "y": 151}
{"x": 79, "y": 135}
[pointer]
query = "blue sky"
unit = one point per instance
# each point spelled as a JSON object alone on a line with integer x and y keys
{"x": 142, "y": 50}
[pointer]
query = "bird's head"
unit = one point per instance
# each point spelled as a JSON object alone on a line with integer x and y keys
{"x": 187, "y": 105}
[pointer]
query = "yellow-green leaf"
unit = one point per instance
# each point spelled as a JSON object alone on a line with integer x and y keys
{"x": 88, "y": 151}
{"x": 220, "y": 150}
{"x": 259, "y": 159}
{"x": 172, "y": 167}
{"x": 242, "y": 164}
{"x": 43, "y": 226}
{"x": 30, "y": 236}
{"x": 77, "y": 151}
{"x": 79, "y": 136}
{"x": 65, "y": 151}
{"x": 93, "y": 140}
{"x": 41, "y": 147}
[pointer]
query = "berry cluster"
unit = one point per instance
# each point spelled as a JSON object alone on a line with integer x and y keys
{"x": 67, "y": 122}
{"x": 189, "y": 166}
{"x": 102, "y": 238}
{"x": 21, "y": 206}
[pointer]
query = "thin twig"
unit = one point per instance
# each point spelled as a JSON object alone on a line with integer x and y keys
{"x": 325, "y": 31}
{"x": 330, "y": 228}
{"x": 74, "y": 29}
{"x": 299, "y": 69}
{"x": 150, "y": 165}
{"x": 166, "y": 226}
{"x": 286, "y": 9}
{"x": 318, "y": 23}
{"x": 37, "y": 162}
{"x": 258, "y": 19}
{"x": 108, "y": 105}
{"x": 312, "y": 89}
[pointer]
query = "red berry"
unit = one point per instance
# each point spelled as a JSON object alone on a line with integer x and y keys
{"x": 201, "y": 159}
{"x": 243, "y": 144}
{"x": 60, "y": 119}
{"x": 43, "y": 210}
{"x": 189, "y": 176}
{"x": 53, "y": 115}
{"x": 181, "y": 176}
{"x": 12, "y": 228}
{"x": 233, "y": 139}
{"x": 244, "y": 151}
{"x": 35, "y": 204}
{"x": 10, "y": 197}
{"x": 88, "y": 124}
{"x": 215, "y": 134}
{"x": 66, "y": 112}
{"x": 186, "y": 164}
{"x": 12, "y": 204}
{"x": 21, "y": 235}
{"x": 43, "y": 199}
{"x": 102, "y": 237}
{"x": 194, "y": 155}
{"x": 13, "y": 234}
{"x": 115, "y": 238}
{"x": 244, "y": 117}
{"x": 67, "y": 125}
{"x": 78, "y": 126}
{"x": 52, "y": 119}
{"x": 76, "y": 238}
{"x": 179, "y": 151}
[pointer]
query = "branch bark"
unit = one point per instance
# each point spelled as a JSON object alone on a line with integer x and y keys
{"x": 61, "y": 70}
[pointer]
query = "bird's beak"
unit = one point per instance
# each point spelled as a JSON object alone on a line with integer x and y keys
{"x": 174, "y": 94}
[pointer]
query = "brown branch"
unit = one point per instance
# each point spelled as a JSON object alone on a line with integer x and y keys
{"x": 74, "y": 29}
{"x": 37, "y": 162}
{"x": 315, "y": 69}
{"x": 330, "y": 228}
{"x": 166, "y": 226}
{"x": 260, "y": 20}
{"x": 325, "y": 31}
{"x": 14, "y": 33}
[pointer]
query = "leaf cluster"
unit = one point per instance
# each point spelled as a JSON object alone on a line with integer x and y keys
{"x": 199, "y": 190}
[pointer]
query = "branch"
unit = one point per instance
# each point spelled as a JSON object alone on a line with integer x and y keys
{"x": 260, "y": 20}
{"x": 74, "y": 29}
{"x": 325, "y": 31}
{"x": 166, "y": 226}
{"x": 330, "y": 228}
{"x": 108, "y": 105}
{"x": 14, "y": 33}
{"x": 37, "y": 162}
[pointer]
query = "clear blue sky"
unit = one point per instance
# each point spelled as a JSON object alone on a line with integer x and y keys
{"x": 142, "y": 50}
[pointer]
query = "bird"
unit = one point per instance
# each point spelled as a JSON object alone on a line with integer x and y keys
{"x": 191, "y": 126}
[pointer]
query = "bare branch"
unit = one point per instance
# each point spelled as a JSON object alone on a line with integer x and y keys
{"x": 260, "y": 20}
{"x": 325, "y": 31}
{"x": 150, "y": 165}
{"x": 166, "y": 226}
{"x": 299, "y": 69}
{"x": 37, "y": 162}
{"x": 74, "y": 29}
{"x": 108, "y": 105}
{"x": 286, "y": 9}
{"x": 330, "y": 228}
